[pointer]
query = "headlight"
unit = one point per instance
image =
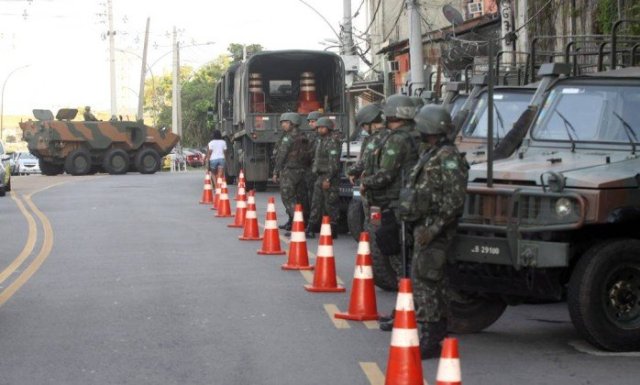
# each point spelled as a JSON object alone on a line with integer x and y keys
{"x": 564, "y": 207}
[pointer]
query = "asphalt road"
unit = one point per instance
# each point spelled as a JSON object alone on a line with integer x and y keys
{"x": 128, "y": 280}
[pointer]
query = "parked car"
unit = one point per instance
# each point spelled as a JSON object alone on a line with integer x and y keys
{"x": 5, "y": 170}
{"x": 26, "y": 163}
{"x": 194, "y": 158}
{"x": 172, "y": 157}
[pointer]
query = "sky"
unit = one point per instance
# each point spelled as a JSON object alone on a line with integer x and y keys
{"x": 55, "y": 53}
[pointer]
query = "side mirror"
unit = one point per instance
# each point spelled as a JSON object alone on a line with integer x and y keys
{"x": 5, "y": 157}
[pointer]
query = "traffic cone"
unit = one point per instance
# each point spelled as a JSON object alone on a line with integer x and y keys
{"x": 449, "y": 365}
{"x": 241, "y": 208}
{"x": 404, "y": 366}
{"x": 241, "y": 182}
{"x": 207, "y": 192}
{"x": 298, "y": 254}
{"x": 218, "y": 191}
{"x": 362, "y": 306}
{"x": 324, "y": 277}
{"x": 224, "y": 207}
{"x": 271, "y": 241}
{"x": 250, "y": 231}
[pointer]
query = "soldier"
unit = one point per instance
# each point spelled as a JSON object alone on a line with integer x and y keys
{"x": 393, "y": 160}
{"x": 291, "y": 162}
{"x": 432, "y": 201}
{"x": 310, "y": 177}
{"x": 326, "y": 164}
{"x": 88, "y": 115}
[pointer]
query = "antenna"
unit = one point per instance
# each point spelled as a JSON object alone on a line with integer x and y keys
{"x": 453, "y": 15}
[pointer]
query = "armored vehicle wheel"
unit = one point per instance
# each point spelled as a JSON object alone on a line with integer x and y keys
{"x": 78, "y": 162}
{"x": 116, "y": 161}
{"x": 50, "y": 168}
{"x": 355, "y": 218}
{"x": 2, "y": 192}
{"x": 604, "y": 295}
{"x": 471, "y": 313}
{"x": 384, "y": 276}
{"x": 147, "y": 161}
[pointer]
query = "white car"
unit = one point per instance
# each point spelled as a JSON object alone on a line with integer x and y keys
{"x": 26, "y": 164}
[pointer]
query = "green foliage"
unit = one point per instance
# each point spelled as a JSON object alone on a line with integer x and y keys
{"x": 236, "y": 50}
{"x": 607, "y": 13}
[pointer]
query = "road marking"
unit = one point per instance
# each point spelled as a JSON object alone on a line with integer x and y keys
{"x": 584, "y": 347}
{"x": 308, "y": 275}
{"x": 332, "y": 309}
{"x": 45, "y": 250}
{"x": 372, "y": 325}
{"x": 373, "y": 373}
{"x": 28, "y": 246}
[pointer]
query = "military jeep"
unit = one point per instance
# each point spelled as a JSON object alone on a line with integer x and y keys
{"x": 559, "y": 218}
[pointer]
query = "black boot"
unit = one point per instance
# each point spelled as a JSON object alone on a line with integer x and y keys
{"x": 385, "y": 322}
{"x": 286, "y": 226}
{"x": 334, "y": 231}
{"x": 309, "y": 234}
{"x": 431, "y": 336}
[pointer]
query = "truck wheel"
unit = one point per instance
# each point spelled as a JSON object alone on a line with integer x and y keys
{"x": 473, "y": 313}
{"x": 116, "y": 161}
{"x": 384, "y": 276}
{"x": 355, "y": 218}
{"x": 78, "y": 162}
{"x": 604, "y": 295}
{"x": 260, "y": 186}
{"x": 147, "y": 161}
{"x": 50, "y": 169}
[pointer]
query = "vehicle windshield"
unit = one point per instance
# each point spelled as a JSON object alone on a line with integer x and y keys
{"x": 508, "y": 106}
{"x": 27, "y": 155}
{"x": 598, "y": 114}
{"x": 457, "y": 104}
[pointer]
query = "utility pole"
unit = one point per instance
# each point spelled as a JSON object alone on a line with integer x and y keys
{"x": 143, "y": 71}
{"x": 175, "y": 85}
{"x": 112, "y": 59}
{"x": 417, "y": 84}
{"x": 506, "y": 16}
{"x": 347, "y": 51}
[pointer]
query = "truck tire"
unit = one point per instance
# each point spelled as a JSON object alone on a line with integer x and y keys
{"x": 2, "y": 192}
{"x": 384, "y": 276}
{"x": 78, "y": 162}
{"x": 116, "y": 161}
{"x": 147, "y": 161}
{"x": 50, "y": 169}
{"x": 472, "y": 313}
{"x": 604, "y": 295}
{"x": 355, "y": 218}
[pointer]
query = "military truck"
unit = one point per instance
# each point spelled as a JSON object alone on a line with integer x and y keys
{"x": 559, "y": 217}
{"x": 251, "y": 96}
{"x": 82, "y": 147}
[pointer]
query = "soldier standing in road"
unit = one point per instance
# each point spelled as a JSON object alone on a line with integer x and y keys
{"x": 309, "y": 176}
{"x": 371, "y": 120}
{"x": 326, "y": 164}
{"x": 393, "y": 160}
{"x": 433, "y": 201}
{"x": 291, "y": 162}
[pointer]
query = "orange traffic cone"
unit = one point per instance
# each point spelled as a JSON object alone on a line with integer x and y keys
{"x": 218, "y": 191}
{"x": 207, "y": 192}
{"x": 362, "y": 306}
{"x": 224, "y": 207}
{"x": 404, "y": 366}
{"x": 241, "y": 208}
{"x": 298, "y": 254}
{"x": 449, "y": 365}
{"x": 250, "y": 231}
{"x": 271, "y": 241}
{"x": 324, "y": 277}
{"x": 241, "y": 182}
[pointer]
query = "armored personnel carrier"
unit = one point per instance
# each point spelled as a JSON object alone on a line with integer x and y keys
{"x": 83, "y": 147}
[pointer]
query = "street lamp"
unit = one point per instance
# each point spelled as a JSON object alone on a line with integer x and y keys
{"x": 2, "y": 98}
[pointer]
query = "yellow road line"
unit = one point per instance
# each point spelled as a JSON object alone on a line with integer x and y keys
{"x": 308, "y": 275}
{"x": 373, "y": 325}
{"x": 45, "y": 250}
{"x": 332, "y": 309}
{"x": 28, "y": 246}
{"x": 373, "y": 373}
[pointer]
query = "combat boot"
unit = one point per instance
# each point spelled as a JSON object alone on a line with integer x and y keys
{"x": 286, "y": 226}
{"x": 334, "y": 231}
{"x": 309, "y": 234}
{"x": 385, "y": 322}
{"x": 431, "y": 335}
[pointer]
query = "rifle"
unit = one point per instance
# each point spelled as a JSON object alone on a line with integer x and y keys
{"x": 403, "y": 238}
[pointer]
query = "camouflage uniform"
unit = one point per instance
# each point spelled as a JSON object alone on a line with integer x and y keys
{"x": 396, "y": 156}
{"x": 326, "y": 164}
{"x": 291, "y": 162}
{"x": 310, "y": 177}
{"x": 439, "y": 180}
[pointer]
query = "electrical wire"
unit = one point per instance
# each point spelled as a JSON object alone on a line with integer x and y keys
{"x": 394, "y": 23}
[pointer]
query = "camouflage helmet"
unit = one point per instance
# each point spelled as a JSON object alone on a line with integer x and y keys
{"x": 325, "y": 122}
{"x": 433, "y": 120}
{"x": 400, "y": 107}
{"x": 293, "y": 117}
{"x": 368, "y": 114}
{"x": 87, "y": 108}
{"x": 418, "y": 101}
{"x": 314, "y": 115}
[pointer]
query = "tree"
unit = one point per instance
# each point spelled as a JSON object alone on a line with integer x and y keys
{"x": 236, "y": 50}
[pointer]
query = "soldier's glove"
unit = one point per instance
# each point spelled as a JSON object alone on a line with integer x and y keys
{"x": 425, "y": 234}
{"x": 326, "y": 184}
